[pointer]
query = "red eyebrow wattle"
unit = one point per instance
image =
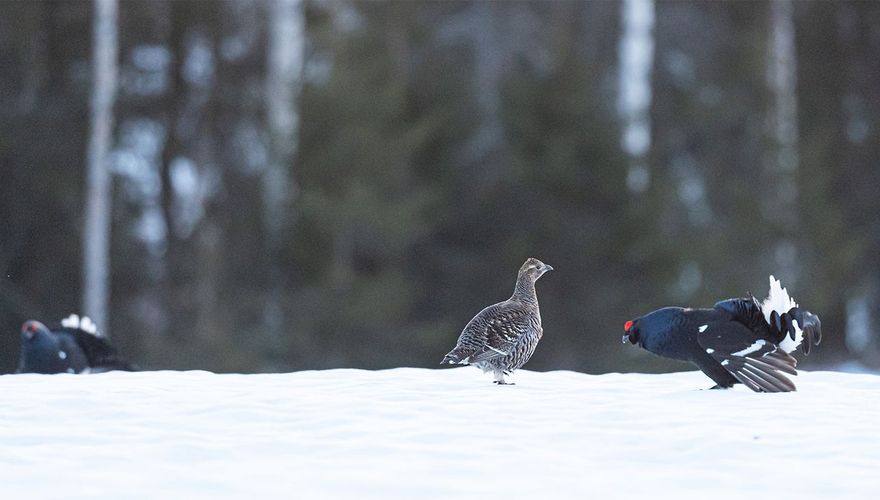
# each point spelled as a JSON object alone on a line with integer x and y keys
{"x": 627, "y": 325}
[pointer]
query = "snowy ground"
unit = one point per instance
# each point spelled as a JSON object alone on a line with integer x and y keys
{"x": 414, "y": 433}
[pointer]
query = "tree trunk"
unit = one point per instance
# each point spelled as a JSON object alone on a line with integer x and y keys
{"x": 96, "y": 234}
{"x": 782, "y": 164}
{"x": 286, "y": 54}
{"x": 636, "y": 52}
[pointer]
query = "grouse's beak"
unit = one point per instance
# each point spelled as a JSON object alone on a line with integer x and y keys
{"x": 632, "y": 337}
{"x": 547, "y": 268}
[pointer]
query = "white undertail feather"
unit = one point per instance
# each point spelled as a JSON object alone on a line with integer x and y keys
{"x": 71, "y": 321}
{"x": 85, "y": 324}
{"x": 778, "y": 300}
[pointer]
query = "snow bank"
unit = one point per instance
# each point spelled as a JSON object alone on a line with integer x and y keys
{"x": 416, "y": 433}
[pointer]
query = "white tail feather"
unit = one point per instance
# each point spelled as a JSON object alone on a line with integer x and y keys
{"x": 789, "y": 345}
{"x": 85, "y": 324}
{"x": 71, "y": 321}
{"x": 778, "y": 300}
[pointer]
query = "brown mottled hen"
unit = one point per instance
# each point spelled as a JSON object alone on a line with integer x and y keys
{"x": 503, "y": 336}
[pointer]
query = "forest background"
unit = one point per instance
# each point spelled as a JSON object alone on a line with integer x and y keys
{"x": 284, "y": 185}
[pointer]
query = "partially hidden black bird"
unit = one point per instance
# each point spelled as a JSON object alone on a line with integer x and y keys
{"x": 737, "y": 341}
{"x": 503, "y": 336}
{"x": 74, "y": 347}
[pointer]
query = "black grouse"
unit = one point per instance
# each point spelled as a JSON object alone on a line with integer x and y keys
{"x": 503, "y": 336}
{"x": 74, "y": 347}
{"x": 738, "y": 340}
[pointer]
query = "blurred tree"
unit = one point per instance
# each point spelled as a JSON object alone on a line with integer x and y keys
{"x": 779, "y": 203}
{"x": 711, "y": 97}
{"x": 283, "y": 82}
{"x": 96, "y": 233}
{"x": 190, "y": 177}
{"x": 364, "y": 207}
{"x": 44, "y": 90}
{"x": 839, "y": 102}
{"x": 634, "y": 100}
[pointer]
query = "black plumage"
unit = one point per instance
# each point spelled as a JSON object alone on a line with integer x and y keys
{"x": 737, "y": 341}
{"x": 503, "y": 336}
{"x": 73, "y": 347}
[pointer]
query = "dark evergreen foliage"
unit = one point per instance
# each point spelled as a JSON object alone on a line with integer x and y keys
{"x": 440, "y": 143}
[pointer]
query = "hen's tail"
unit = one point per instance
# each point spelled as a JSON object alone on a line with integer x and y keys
{"x": 456, "y": 356}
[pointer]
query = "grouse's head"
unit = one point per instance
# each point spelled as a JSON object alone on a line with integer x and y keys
{"x": 40, "y": 350}
{"x": 36, "y": 337}
{"x": 534, "y": 268}
{"x": 33, "y": 330}
{"x": 644, "y": 330}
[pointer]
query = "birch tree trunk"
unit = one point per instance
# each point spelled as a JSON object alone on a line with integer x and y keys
{"x": 782, "y": 164}
{"x": 636, "y": 52}
{"x": 286, "y": 54}
{"x": 96, "y": 234}
{"x": 782, "y": 79}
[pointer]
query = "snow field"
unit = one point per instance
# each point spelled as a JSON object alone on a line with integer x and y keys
{"x": 418, "y": 433}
